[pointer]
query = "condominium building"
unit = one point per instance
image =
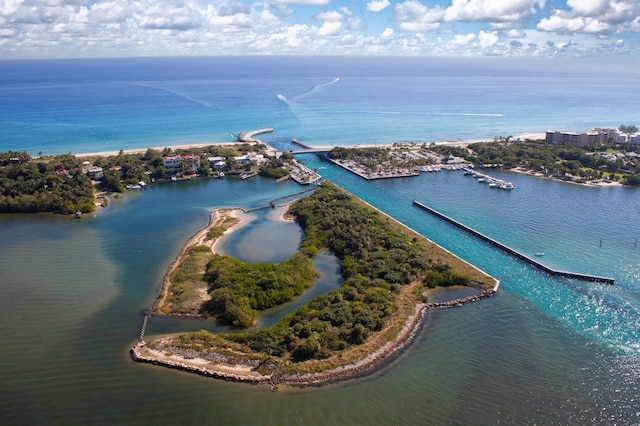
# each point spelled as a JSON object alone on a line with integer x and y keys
{"x": 597, "y": 136}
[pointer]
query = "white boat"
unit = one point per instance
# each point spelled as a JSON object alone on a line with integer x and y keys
{"x": 507, "y": 185}
{"x": 493, "y": 184}
{"x": 539, "y": 253}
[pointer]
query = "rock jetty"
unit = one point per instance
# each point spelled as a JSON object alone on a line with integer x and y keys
{"x": 204, "y": 365}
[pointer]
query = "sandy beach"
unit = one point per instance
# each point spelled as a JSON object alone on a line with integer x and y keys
{"x": 143, "y": 150}
{"x": 216, "y": 218}
{"x": 533, "y": 136}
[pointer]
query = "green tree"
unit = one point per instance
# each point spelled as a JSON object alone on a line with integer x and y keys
{"x": 628, "y": 129}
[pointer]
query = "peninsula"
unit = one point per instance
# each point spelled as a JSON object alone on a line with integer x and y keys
{"x": 388, "y": 271}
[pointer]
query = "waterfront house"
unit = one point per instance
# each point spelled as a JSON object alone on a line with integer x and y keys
{"x": 172, "y": 164}
{"x": 175, "y": 163}
{"x": 217, "y": 163}
{"x": 95, "y": 173}
{"x": 192, "y": 163}
{"x": 250, "y": 159}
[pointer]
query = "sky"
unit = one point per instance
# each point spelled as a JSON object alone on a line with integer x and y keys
{"x": 33, "y": 29}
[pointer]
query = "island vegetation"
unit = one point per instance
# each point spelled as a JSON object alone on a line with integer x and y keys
{"x": 52, "y": 184}
{"x": 616, "y": 162}
{"x": 60, "y": 183}
{"x": 386, "y": 270}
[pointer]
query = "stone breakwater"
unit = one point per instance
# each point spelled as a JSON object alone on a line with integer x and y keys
{"x": 371, "y": 363}
{"x": 460, "y": 302}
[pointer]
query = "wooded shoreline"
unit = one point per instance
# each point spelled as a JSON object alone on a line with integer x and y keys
{"x": 380, "y": 348}
{"x": 369, "y": 365}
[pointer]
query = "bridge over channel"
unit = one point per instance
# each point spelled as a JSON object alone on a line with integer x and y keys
{"x": 306, "y": 149}
{"x": 310, "y": 151}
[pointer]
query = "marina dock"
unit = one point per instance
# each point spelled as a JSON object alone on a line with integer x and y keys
{"x": 527, "y": 259}
{"x": 493, "y": 182}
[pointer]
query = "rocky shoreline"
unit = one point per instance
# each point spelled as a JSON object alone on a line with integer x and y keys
{"x": 366, "y": 366}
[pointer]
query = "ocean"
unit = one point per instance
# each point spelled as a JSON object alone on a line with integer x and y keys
{"x": 542, "y": 351}
{"x": 107, "y": 104}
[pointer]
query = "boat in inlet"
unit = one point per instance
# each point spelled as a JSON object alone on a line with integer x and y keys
{"x": 493, "y": 182}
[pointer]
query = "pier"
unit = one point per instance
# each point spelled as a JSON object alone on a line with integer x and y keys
{"x": 527, "y": 259}
{"x": 247, "y": 175}
{"x": 144, "y": 327}
{"x": 250, "y": 136}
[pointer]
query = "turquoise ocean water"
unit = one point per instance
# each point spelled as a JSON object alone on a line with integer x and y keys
{"x": 543, "y": 351}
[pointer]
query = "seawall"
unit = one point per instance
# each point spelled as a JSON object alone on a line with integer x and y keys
{"x": 527, "y": 259}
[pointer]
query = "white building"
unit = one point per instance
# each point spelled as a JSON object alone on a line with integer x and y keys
{"x": 174, "y": 163}
{"x": 597, "y": 136}
{"x": 95, "y": 173}
{"x": 217, "y": 163}
{"x": 250, "y": 159}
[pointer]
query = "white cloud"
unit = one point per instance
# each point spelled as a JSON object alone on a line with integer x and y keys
{"x": 593, "y": 17}
{"x": 513, "y": 33}
{"x": 461, "y": 40}
{"x": 9, "y": 7}
{"x": 589, "y": 7}
{"x": 413, "y": 16}
{"x": 332, "y": 16}
{"x": 377, "y": 5}
{"x": 306, "y": 2}
{"x": 492, "y": 10}
{"x": 488, "y": 39}
{"x": 293, "y": 34}
{"x": 109, "y": 11}
{"x": 178, "y": 18}
{"x": 71, "y": 28}
{"x": 563, "y": 23}
{"x": 330, "y": 29}
{"x": 387, "y": 33}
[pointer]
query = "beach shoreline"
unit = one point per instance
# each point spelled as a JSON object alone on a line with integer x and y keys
{"x": 216, "y": 218}
{"x": 354, "y": 362}
{"x": 143, "y": 150}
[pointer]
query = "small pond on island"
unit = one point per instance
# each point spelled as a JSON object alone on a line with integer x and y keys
{"x": 268, "y": 238}
{"x": 265, "y": 238}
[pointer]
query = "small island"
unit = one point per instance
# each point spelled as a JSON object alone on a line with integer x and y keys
{"x": 388, "y": 271}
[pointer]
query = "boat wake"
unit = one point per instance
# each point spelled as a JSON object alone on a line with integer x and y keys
{"x": 317, "y": 88}
{"x": 451, "y": 114}
{"x": 180, "y": 95}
